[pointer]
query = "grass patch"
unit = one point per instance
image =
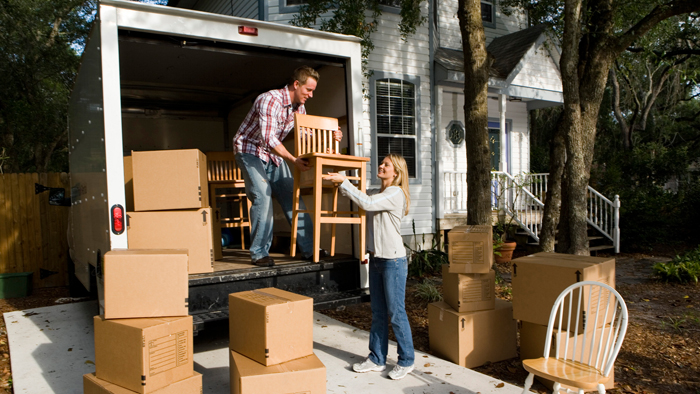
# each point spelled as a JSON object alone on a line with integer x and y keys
{"x": 682, "y": 269}
{"x": 428, "y": 292}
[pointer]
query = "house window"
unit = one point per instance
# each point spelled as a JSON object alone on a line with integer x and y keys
{"x": 297, "y": 2}
{"x": 488, "y": 13}
{"x": 396, "y": 122}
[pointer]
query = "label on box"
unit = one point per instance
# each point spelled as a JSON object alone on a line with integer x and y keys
{"x": 167, "y": 352}
{"x": 476, "y": 291}
{"x": 472, "y": 252}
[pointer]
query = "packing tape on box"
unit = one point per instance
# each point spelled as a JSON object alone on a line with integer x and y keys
{"x": 287, "y": 301}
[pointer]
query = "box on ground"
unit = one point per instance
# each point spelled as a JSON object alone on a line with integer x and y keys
{"x": 270, "y": 326}
{"x": 533, "y": 336}
{"x": 145, "y": 283}
{"x": 19, "y": 284}
{"x": 187, "y": 229}
{"x": 538, "y": 279}
{"x": 471, "y": 339}
{"x": 469, "y": 292}
{"x": 170, "y": 179}
{"x": 93, "y": 385}
{"x": 306, "y": 375}
{"x": 143, "y": 355}
{"x": 470, "y": 249}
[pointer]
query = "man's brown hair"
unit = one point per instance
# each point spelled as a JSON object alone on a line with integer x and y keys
{"x": 303, "y": 73}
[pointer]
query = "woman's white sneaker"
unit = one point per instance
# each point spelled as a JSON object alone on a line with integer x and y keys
{"x": 368, "y": 366}
{"x": 400, "y": 372}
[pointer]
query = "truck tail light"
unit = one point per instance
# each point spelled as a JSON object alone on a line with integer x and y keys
{"x": 248, "y": 30}
{"x": 117, "y": 219}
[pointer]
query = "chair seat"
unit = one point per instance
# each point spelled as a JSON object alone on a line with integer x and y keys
{"x": 570, "y": 373}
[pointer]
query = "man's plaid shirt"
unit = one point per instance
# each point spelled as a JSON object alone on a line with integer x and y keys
{"x": 266, "y": 125}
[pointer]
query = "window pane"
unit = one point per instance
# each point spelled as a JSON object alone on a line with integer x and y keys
{"x": 396, "y": 114}
{"x": 408, "y": 90}
{"x": 391, "y": 3}
{"x": 383, "y": 124}
{"x": 296, "y": 2}
{"x": 405, "y": 147}
{"x": 395, "y": 88}
{"x": 382, "y": 88}
{"x": 409, "y": 127}
{"x": 487, "y": 12}
{"x": 395, "y": 108}
{"x": 396, "y": 127}
{"x": 382, "y": 105}
{"x": 409, "y": 107}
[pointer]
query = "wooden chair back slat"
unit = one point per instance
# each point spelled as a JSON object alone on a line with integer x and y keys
{"x": 221, "y": 167}
{"x": 314, "y": 134}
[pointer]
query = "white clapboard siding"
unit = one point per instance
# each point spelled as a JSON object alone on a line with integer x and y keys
{"x": 448, "y": 24}
{"x": 539, "y": 71}
{"x": 239, "y": 8}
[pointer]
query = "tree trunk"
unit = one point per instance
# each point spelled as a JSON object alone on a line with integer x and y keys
{"x": 562, "y": 245}
{"x": 477, "y": 63}
{"x": 552, "y": 206}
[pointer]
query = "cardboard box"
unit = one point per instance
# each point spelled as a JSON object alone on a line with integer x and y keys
{"x": 306, "y": 375}
{"x": 538, "y": 280}
{"x": 93, "y": 385}
{"x": 471, "y": 339}
{"x": 470, "y": 249}
{"x": 469, "y": 292}
{"x": 270, "y": 326}
{"x": 170, "y": 179}
{"x": 143, "y": 355}
{"x": 145, "y": 283}
{"x": 532, "y": 338}
{"x": 190, "y": 229}
{"x": 128, "y": 183}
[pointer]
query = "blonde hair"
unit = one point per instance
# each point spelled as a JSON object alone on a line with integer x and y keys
{"x": 303, "y": 73}
{"x": 401, "y": 179}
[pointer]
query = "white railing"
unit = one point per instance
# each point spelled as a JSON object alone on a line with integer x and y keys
{"x": 523, "y": 200}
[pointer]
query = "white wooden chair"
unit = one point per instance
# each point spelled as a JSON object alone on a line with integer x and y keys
{"x": 582, "y": 358}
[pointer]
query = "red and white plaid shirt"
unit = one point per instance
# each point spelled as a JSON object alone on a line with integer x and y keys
{"x": 266, "y": 125}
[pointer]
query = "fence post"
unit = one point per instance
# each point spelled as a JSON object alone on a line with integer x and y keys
{"x": 616, "y": 231}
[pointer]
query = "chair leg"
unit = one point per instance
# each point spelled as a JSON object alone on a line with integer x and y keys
{"x": 295, "y": 214}
{"x": 318, "y": 190}
{"x": 335, "y": 214}
{"x": 556, "y": 387}
{"x": 601, "y": 389}
{"x": 528, "y": 383}
{"x": 240, "y": 213}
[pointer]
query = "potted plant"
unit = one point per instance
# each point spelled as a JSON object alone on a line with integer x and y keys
{"x": 503, "y": 247}
{"x": 507, "y": 191}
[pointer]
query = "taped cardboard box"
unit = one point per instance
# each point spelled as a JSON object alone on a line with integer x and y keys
{"x": 270, "y": 326}
{"x": 170, "y": 179}
{"x": 143, "y": 355}
{"x": 469, "y": 292}
{"x": 187, "y": 229}
{"x": 93, "y": 385}
{"x": 537, "y": 281}
{"x": 470, "y": 249}
{"x": 145, "y": 283}
{"x": 532, "y": 339}
{"x": 472, "y": 339}
{"x": 306, "y": 375}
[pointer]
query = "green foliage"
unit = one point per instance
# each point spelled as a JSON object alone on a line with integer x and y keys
{"x": 38, "y": 62}
{"x": 425, "y": 262}
{"x": 682, "y": 269}
{"x": 427, "y": 291}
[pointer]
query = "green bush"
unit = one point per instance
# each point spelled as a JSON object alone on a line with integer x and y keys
{"x": 427, "y": 291}
{"x": 425, "y": 262}
{"x": 682, "y": 269}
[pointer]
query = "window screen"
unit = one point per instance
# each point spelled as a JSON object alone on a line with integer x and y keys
{"x": 487, "y": 11}
{"x": 396, "y": 120}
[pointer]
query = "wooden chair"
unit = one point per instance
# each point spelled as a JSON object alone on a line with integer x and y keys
{"x": 581, "y": 359}
{"x": 314, "y": 142}
{"x": 223, "y": 173}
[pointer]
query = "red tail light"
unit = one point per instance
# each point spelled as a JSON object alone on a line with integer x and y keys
{"x": 118, "y": 219}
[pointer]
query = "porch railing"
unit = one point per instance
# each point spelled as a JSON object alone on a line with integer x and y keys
{"x": 522, "y": 197}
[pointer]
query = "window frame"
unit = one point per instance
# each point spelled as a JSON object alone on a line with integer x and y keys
{"x": 491, "y": 24}
{"x": 288, "y": 9}
{"x": 374, "y": 163}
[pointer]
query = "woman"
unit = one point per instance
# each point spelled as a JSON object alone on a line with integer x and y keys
{"x": 388, "y": 266}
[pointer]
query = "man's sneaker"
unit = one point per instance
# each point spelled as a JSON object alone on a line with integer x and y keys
{"x": 400, "y": 372}
{"x": 322, "y": 253}
{"x": 266, "y": 261}
{"x": 368, "y": 366}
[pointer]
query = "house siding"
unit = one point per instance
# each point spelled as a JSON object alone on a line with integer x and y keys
{"x": 239, "y": 8}
{"x": 539, "y": 71}
{"x": 448, "y": 24}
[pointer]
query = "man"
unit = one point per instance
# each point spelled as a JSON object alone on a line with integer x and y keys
{"x": 261, "y": 157}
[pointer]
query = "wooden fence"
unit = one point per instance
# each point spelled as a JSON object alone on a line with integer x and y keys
{"x": 32, "y": 232}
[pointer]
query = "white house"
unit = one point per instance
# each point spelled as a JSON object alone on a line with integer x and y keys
{"x": 415, "y": 104}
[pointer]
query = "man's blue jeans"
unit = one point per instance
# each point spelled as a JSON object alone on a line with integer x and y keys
{"x": 262, "y": 182}
{"x": 387, "y": 288}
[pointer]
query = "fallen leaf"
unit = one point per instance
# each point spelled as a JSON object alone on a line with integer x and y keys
{"x": 425, "y": 356}
{"x": 686, "y": 296}
{"x": 645, "y": 300}
{"x": 498, "y": 386}
{"x": 428, "y": 373}
{"x": 427, "y": 365}
{"x": 70, "y": 349}
{"x": 88, "y": 362}
{"x": 324, "y": 326}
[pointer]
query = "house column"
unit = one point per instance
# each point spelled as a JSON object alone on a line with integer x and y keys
{"x": 502, "y": 125}
{"x": 440, "y": 137}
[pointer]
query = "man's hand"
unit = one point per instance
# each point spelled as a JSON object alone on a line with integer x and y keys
{"x": 302, "y": 164}
{"x": 337, "y": 134}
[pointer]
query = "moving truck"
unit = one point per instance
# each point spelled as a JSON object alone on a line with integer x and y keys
{"x": 162, "y": 78}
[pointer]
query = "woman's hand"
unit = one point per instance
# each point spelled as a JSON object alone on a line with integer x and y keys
{"x": 334, "y": 177}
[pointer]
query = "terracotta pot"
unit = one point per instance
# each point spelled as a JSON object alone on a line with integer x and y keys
{"x": 506, "y": 251}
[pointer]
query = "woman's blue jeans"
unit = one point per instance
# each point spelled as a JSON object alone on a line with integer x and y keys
{"x": 387, "y": 287}
{"x": 262, "y": 181}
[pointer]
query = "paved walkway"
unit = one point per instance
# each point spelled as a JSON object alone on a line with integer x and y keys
{"x": 51, "y": 348}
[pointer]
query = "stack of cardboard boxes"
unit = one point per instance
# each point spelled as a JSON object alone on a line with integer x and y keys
{"x": 471, "y": 327}
{"x": 537, "y": 281}
{"x": 169, "y": 207}
{"x": 271, "y": 344}
{"x": 143, "y": 341}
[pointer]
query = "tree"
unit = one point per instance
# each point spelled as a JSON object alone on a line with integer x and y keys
{"x": 38, "y": 62}
{"x": 477, "y": 63}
